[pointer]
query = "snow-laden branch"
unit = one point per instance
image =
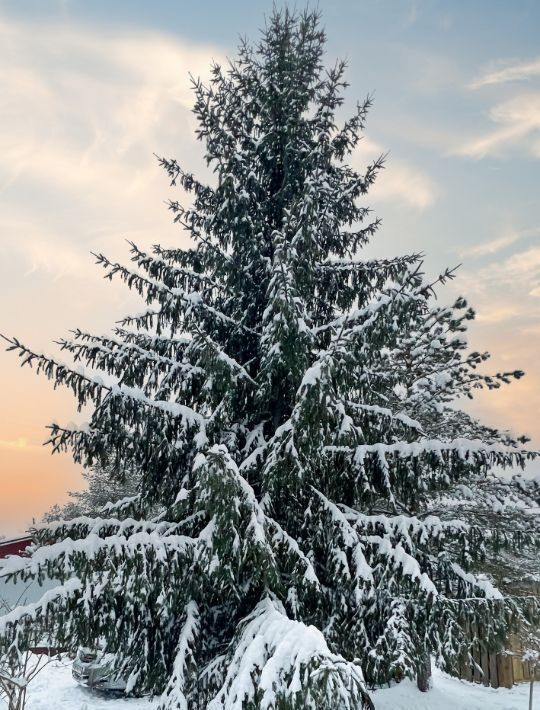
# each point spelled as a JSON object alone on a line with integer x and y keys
{"x": 93, "y": 546}
{"x": 387, "y": 413}
{"x": 32, "y": 611}
{"x": 174, "y": 695}
{"x": 229, "y": 362}
{"x": 462, "y": 447}
{"x": 165, "y": 295}
{"x": 276, "y": 660}
{"x": 85, "y": 384}
{"x": 369, "y": 266}
{"x": 110, "y": 347}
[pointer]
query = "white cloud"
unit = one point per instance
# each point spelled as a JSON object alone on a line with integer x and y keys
{"x": 495, "y": 245}
{"x": 508, "y": 325}
{"x": 522, "y": 264}
{"x": 497, "y": 314}
{"x": 490, "y": 247}
{"x": 83, "y": 111}
{"x": 519, "y": 71}
{"x": 407, "y": 184}
{"x": 502, "y": 290}
{"x": 532, "y": 330}
{"x": 518, "y": 119}
{"x": 399, "y": 180}
{"x": 520, "y": 270}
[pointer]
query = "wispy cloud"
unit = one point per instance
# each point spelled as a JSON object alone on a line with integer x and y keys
{"x": 525, "y": 263}
{"x": 490, "y": 247}
{"x": 508, "y": 319}
{"x": 533, "y": 330}
{"x": 20, "y": 444}
{"x": 497, "y": 314}
{"x": 400, "y": 180}
{"x": 407, "y": 184}
{"x": 496, "y": 245}
{"x": 518, "y": 121}
{"x": 502, "y": 290}
{"x": 83, "y": 111}
{"x": 517, "y": 71}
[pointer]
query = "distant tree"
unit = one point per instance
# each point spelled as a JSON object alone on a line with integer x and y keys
{"x": 103, "y": 488}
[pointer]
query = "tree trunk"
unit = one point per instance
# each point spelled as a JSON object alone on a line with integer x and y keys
{"x": 423, "y": 676}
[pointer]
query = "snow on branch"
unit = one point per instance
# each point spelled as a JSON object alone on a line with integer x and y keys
{"x": 93, "y": 546}
{"x": 402, "y": 560}
{"x": 276, "y": 660}
{"x": 356, "y": 322}
{"x": 87, "y": 386}
{"x": 152, "y": 342}
{"x": 160, "y": 269}
{"x": 165, "y": 296}
{"x": 387, "y": 413}
{"x": 112, "y": 351}
{"x": 462, "y": 447}
{"x": 203, "y": 341}
{"x": 39, "y": 608}
{"x": 387, "y": 266}
{"x": 280, "y": 535}
{"x": 174, "y": 695}
{"x": 83, "y": 525}
{"x": 351, "y": 540}
{"x": 409, "y": 528}
{"x": 148, "y": 319}
{"x": 489, "y": 591}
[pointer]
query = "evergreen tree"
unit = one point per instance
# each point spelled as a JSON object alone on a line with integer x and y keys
{"x": 287, "y": 404}
{"x": 102, "y": 489}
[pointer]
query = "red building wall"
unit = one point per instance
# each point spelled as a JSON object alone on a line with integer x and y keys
{"x": 14, "y": 547}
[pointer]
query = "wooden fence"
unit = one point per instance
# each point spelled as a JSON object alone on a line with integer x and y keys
{"x": 499, "y": 670}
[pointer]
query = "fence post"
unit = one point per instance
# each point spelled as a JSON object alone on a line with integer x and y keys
{"x": 493, "y": 675}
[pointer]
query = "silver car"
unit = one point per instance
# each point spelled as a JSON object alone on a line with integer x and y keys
{"x": 92, "y": 668}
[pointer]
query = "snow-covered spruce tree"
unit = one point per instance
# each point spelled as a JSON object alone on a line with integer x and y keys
{"x": 268, "y": 397}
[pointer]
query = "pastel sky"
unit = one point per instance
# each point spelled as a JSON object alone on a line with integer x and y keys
{"x": 91, "y": 89}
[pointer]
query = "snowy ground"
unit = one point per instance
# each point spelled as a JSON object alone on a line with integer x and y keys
{"x": 54, "y": 689}
{"x": 452, "y": 694}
